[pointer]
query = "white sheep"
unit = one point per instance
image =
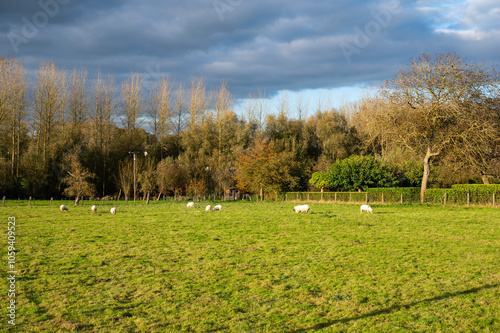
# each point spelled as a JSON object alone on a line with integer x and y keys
{"x": 366, "y": 208}
{"x": 63, "y": 208}
{"x": 208, "y": 208}
{"x": 301, "y": 209}
{"x": 190, "y": 205}
{"x": 94, "y": 208}
{"x": 218, "y": 207}
{"x": 113, "y": 210}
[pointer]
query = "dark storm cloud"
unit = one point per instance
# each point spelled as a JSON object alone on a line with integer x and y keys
{"x": 251, "y": 44}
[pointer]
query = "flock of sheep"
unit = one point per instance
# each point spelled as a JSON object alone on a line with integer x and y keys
{"x": 208, "y": 208}
{"x": 93, "y": 208}
{"x": 296, "y": 209}
{"x": 305, "y": 209}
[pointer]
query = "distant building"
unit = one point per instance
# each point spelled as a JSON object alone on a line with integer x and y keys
{"x": 233, "y": 193}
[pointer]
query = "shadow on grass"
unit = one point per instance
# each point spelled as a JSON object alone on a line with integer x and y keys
{"x": 394, "y": 308}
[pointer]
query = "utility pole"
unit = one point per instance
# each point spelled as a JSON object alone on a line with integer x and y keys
{"x": 133, "y": 153}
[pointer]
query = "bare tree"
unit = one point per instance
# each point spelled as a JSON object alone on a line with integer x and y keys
{"x": 284, "y": 105}
{"x": 147, "y": 178}
{"x": 179, "y": 113}
{"x": 222, "y": 101}
{"x": 478, "y": 147}
{"x": 258, "y": 109}
{"x": 161, "y": 110}
{"x": 433, "y": 101}
{"x": 103, "y": 108}
{"x": 198, "y": 102}
{"x": 78, "y": 104}
{"x": 133, "y": 104}
{"x": 302, "y": 110}
{"x": 13, "y": 104}
{"x": 49, "y": 104}
{"x": 126, "y": 177}
{"x": 78, "y": 180}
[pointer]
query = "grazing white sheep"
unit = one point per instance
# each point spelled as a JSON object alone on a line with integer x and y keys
{"x": 208, "y": 208}
{"x": 113, "y": 210}
{"x": 63, "y": 208}
{"x": 301, "y": 209}
{"x": 218, "y": 207}
{"x": 190, "y": 205}
{"x": 94, "y": 208}
{"x": 366, "y": 208}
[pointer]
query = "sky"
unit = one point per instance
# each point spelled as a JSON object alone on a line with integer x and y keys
{"x": 321, "y": 52}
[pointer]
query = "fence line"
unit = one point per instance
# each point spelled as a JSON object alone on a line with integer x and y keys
{"x": 447, "y": 199}
{"x": 451, "y": 199}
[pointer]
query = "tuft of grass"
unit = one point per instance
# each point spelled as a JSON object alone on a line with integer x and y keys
{"x": 255, "y": 267}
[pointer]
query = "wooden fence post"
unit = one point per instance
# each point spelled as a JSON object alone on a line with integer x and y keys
{"x": 366, "y": 197}
{"x": 3, "y": 201}
{"x": 350, "y": 197}
{"x": 286, "y": 196}
{"x": 382, "y": 197}
{"x": 335, "y": 197}
{"x": 321, "y": 196}
{"x": 468, "y": 199}
{"x": 307, "y": 196}
{"x": 444, "y": 198}
{"x": 19, "y": 202}
{"x": 51, "y": 199}
{"x": 493, "y": 199}
{"x": 29, "y": 203}
{"x": 401, "y": 197}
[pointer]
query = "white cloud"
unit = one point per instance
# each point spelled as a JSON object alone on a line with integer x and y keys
{"x": 473, "y": 20}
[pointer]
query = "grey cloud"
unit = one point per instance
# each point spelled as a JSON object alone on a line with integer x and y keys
{"x": 270, "y": 45}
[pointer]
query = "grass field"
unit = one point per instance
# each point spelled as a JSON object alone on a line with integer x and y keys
{"x": 254, "y": 267}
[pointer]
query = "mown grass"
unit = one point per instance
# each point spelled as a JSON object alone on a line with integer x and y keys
{"x": 256, "y": 267}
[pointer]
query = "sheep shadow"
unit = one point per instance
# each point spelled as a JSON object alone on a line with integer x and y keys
{"x": 395, "y": 308}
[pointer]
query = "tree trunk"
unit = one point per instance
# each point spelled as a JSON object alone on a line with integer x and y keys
{"x": 77, "y": 200}
{"x": 427, "y": 172}
{"x": 147, "y": 199}
{"x": 485, "y": 178}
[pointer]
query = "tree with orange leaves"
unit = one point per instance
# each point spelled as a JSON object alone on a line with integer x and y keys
{"x": 263, "y": 168}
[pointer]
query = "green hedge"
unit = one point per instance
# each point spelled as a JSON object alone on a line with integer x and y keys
{"x": 459, "y": 197}
{"x": 477, "y": 188}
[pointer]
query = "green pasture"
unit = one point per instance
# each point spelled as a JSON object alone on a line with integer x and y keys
{"x": 253, "y": 267}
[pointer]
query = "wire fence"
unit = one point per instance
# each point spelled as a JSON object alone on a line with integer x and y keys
{"x": 458, "y": 199}
{"x": 447, "y": 198}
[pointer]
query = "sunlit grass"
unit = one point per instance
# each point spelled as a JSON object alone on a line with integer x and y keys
{"x": 256, "y": 267}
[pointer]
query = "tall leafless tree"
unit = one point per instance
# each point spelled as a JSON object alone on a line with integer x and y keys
{"x": 161, "y": 110}
{"x": 133, "y": 103}
{"x": 433, "y": 102}
{"x": 13, "y": 106}
{"x": 48, "y": 105}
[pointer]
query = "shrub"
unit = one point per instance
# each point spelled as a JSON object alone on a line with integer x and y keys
{"x": 477, "y": 188}
{"x": 355, "y": 173}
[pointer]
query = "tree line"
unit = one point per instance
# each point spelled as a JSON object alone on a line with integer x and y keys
{"x": 64, "y": 135}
